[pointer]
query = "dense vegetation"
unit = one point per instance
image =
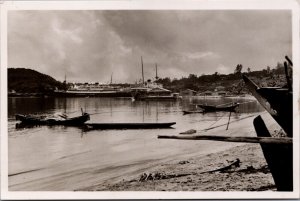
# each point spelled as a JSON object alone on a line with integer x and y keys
{"x": 23, "y": 80}
{"x": 232, "y": 82}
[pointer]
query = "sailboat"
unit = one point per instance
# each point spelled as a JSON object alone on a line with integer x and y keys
{"x": 152, "y": 90}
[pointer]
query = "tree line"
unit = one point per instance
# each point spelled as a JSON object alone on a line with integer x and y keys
{"x": 231, "y": 82}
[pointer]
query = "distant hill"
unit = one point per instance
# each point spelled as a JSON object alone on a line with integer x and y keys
{"x": 23, "y": 80}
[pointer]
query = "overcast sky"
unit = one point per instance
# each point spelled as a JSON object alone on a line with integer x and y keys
{"x": 91, "y": 45}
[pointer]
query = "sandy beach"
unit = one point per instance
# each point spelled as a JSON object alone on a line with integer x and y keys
{"x": 199, "y": 172}
{"x": 193, "y": 174}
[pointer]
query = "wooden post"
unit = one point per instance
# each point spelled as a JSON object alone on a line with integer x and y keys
{"x": 278, "y": 156}
{"x": 228, "y": 120}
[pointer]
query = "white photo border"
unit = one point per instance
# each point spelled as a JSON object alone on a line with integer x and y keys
{"x": 148, "y": 5}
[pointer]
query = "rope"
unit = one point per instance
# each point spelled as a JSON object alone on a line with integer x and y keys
{"x": 231, "y": 122}
{"x": 215, "y": 121}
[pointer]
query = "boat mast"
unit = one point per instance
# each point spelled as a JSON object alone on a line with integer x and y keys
{"x": 142, "y": 70}
{"x": 111, "y": 78}
{"x": 65, "y": 83}
{"x": 156, "y": 77}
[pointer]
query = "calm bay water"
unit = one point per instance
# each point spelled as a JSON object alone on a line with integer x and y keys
{"x": 60, "y": 150}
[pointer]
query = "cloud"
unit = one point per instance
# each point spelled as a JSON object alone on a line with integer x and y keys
{"x": 200, "y": 55}
{"x": 90, "y": 45}
{"x": 223, "y": 69}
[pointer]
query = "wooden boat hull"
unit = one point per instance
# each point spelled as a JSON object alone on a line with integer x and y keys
{"x": 192, "y": 112}
{"x": 31, "y": 120}
{"x": 211, "y": 108}
{"x": 107, "y": 126}
{"x": 278, "y": 156}
{"x": 277, "y": 101}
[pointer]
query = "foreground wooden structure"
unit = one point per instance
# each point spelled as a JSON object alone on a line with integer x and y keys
{"x": 261, "y": 140}
{"x": 278, "y": 156}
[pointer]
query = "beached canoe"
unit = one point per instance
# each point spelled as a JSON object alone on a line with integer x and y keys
{"x": 42, "y": 120}
{"x": 106, "y": 126}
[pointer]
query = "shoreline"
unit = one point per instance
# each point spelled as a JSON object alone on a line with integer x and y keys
{"x": 193, "y": 174}
{"x": 87, "y": 173}
{"x": 189, "y": 172}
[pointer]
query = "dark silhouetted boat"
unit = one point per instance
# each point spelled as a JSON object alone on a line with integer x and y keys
{"x": 215, "y": 108}
{"x": 44, "y": 120}
{"x": 192, "y": 111}
{"x": 119, "y": 126}
{"x": 278, "y": 101}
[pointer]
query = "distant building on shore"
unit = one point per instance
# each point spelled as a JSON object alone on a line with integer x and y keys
{"x": 188, "y": 92}
{"x": 218, "y": 91}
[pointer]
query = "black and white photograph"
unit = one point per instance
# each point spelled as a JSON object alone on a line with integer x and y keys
{"x": 130, "y": 100}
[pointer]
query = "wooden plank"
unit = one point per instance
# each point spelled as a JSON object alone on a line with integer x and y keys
{"x": 263, "y": 140}
{"x": 278, "y": 156}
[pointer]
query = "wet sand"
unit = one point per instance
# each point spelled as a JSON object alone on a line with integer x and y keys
{"x": 193, "y": 174}
{"x": 196, "y": 172}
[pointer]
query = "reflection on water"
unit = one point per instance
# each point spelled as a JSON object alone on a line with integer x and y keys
{"x": 113, "y": 110}
{"x": 51, "y": 148}
{"x": 109, "y": 105}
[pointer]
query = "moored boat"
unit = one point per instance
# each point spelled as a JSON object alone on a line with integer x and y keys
{"x": 147, "y": 91}
{"x": 215, "y": 108}
{"x": 106, "y": 126}
{"x": 192, "y": 111}
{"x": 44, "y": 120}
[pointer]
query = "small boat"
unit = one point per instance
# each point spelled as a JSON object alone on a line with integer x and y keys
{"x": 115, "y": 126}
{"x": 44, "y": 120}
{"x": 192, "y": 111}
{"x": 214, "y": 108}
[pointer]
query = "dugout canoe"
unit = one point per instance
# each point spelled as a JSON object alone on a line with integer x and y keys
{"x": 119, "y": 126}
